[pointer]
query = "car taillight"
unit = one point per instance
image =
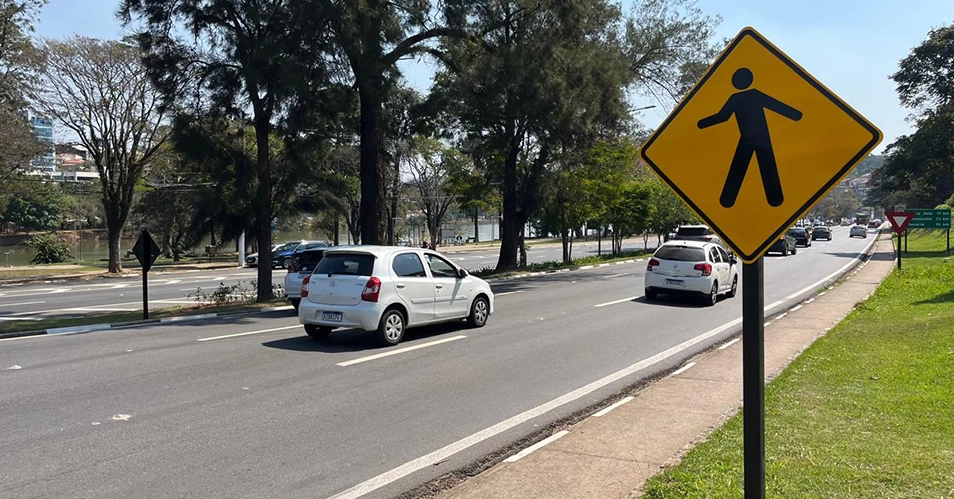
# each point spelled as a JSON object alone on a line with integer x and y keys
{"x": 704, "y": 267}
{"x": 708, "y": 238}
{"x": 371, "y": 290}
{"x": 304, "y": 286}
{"x": 652, "y": 263}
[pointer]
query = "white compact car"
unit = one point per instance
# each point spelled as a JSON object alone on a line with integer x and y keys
{"x": 694, "y": 268}
{"x": 858, "y": 231}
{"x": 389, "y": 289}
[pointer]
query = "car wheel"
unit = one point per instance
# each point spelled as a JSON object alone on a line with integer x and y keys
{"x": 734, "y": 289}
{"x": 286, "y": 262}
{"x": 651, "y": 294}
{"x": 295, "y": 302}
{"x": 713, "y": 295}
{"x": 794, "y": 249}
{"x": 479, "y": 312}
{"x": 317, "y": 332}
{"x": 391, "y": 328}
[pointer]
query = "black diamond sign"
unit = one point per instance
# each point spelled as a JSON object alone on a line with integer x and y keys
{"x": 146, "y": 250}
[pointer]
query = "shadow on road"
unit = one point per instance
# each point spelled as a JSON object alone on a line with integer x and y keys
{"x": 356, "y": 340}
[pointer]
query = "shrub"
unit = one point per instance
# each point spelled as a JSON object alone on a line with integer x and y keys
{"x": 49, "y": 249}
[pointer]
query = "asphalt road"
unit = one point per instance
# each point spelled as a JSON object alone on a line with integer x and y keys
{"x": 251, "y": 407}
{"x": 170, "y": 289}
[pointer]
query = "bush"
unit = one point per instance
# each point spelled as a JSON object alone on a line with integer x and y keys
{"x": 49, "y": 249}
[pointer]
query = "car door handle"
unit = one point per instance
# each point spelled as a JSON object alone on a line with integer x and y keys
{"x": 439, "y": 286}
{"x": 400, "y": 286}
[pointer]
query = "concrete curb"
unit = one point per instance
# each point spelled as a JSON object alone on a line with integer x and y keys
{"x": 118, "y": 325}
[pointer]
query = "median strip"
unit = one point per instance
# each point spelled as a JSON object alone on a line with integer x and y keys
{"x": 399, "y": 351}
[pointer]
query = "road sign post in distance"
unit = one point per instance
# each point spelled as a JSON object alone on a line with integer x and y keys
{"x": 146, "y": 251}
{"x": 754, "y": 145}
{"x": 899, "y": 223}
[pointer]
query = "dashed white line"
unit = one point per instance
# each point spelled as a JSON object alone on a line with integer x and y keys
{"x": 399, "y": 351}
{"x": 683, "y": 369}
{"x": 729, "y": 343}
{"x": 526, "y": 452}
{"x": 616, "y": 275}
{"x": 796, "y": 308}
{"x": 236, "y": 335}
{"x": 505, "y": 293}
{"x": 614, "y": 302}
{"x": 610, "y": 408}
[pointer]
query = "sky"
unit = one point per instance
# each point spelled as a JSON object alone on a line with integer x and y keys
{"x": 851, "y": 46}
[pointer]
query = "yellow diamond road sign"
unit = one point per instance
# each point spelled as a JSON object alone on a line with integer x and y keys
{"x": 756, "y": 144}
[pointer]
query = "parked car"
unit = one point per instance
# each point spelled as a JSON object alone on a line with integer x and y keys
{"x": 389, "y": 289}
{"x": 281, "y": 253}
{"x": 785, "y": 244}
{"x": 251, "y": 260}
{"x": 858, "y": 231}
{"x": 821, "y": 232}
{"x": 801, "y": 235}
{"x": 696, "y": 233}
{"x": 302, "y": 265}
{"x": 692, "y": 267}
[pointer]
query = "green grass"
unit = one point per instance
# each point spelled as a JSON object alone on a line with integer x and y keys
{"x": 116, "y": 317}
{"x": 866, "y": 411}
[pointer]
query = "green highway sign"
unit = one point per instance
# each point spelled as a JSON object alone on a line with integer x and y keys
{"x": 931, "y": 219}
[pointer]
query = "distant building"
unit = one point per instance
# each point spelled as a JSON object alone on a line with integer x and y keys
{"x": 46, "y": 161}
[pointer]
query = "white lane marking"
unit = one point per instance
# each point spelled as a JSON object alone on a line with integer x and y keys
{"x": 614, "y": 406}
{"x": 119, "y": 286}
{"x": 57, "y": 291}
{"x": 781, "y": 316}
{"x": 539, "y": 445}
{"x": 400, "y": 350}
{"x": 729, "y": 343}
{"x": 174, "y": 281}
{"x": 236, "y": 335}
{"x": 614, "y": 302}
{"x": 11, "y": 318}
{"x": 21, "y": 303}
{"x": 809, "y": 300}
{"x": 466, "y": 442}
{"x": 23, "y": 337}
{"x": 822, "y": 293}
{"x": 100, "y": 308}
{"x": 172, "y": 300}
{"x": 616, "y": 275}
{"x": 507, "y": 293}
{"x": 767, "y": 324}
{"x": 796, "y": 308}
{"x": 683, "y": 369}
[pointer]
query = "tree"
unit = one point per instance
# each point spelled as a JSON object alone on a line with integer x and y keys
{"x": 427, "y": 168}
{"x": 632, "y": 213}
{"x": 469, "y": 185}
{"x": 372, "y": 36}
{"x": 247, "y": 59}
{"x": 18, "y": 60}
{"x": 170, "y": 202}
{"x": 669, "y": 211}
{"x": 99, "y": 91}
{"x": 33, "y": 205}
{"x": 547, "y": 78}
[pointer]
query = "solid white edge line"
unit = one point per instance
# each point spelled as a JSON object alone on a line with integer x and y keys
{"x": 449, "y": 450}
{"x": 614, "y": 302}
{"x": 505, "y": 293}
{"x": 614, "y": 406}
{"x": 526, "y": 452}
{"x": 729, "y": 343}
{"x": 400, "y": 350}
{"x": 683, "y": 369}
{"x": 236, "y": 335}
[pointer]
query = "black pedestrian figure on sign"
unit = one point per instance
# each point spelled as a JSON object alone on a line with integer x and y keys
{"x": 749, "y": 108}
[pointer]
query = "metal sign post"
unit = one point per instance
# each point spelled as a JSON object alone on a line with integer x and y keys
{"x": 146, "y": 251}
{"x": 753, "y": 376}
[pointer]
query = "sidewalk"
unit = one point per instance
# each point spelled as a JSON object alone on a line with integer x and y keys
{"x": 612, "y": 456}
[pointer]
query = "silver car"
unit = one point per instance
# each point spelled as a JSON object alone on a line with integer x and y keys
{"x": 858, "y": 231}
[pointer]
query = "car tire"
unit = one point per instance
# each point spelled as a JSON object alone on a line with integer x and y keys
{"x": 295, "y": 302}
{"x": 479, "y": 312}
{"x": 794, "y": 249}
{"x": 713, "y": 297}
{"x": 651, "y": 294}
{"x": 785, "y": 251}
{"x": 317, "y": 332}
{"x": 734, "y": 289}
{"x": 391, "y": 327}
{"x": 286, "y": 262}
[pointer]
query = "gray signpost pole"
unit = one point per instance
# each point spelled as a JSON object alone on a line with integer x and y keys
{"x": 145, "y": 272}
{"x": 753, "y": 378}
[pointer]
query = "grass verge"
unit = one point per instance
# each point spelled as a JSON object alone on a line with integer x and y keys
{"x": 866, "y": 411}
{"x": 117, "y": 317}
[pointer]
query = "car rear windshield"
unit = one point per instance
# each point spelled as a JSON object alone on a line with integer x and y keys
{"x": 306, "y": 261}
{"x": 692, "y": 231}
{"x": 681, "y": 254}
{"x": 796, "y": 232}
{"x": 346, "y": 264}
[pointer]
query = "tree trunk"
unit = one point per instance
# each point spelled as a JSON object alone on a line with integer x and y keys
{"x": 115, "y": 232}
{"x": 337, "y": 234}
{"x": 263, "y": 212}
{"x": 476, "y": 226}
{"x": 513, "y": 220}
{"x": 373, "y": 201}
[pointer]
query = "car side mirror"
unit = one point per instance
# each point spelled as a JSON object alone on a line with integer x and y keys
{"x": 461, "y": 273}
{"x": 733, "y": 260}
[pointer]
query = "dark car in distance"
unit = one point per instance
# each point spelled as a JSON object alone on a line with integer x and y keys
{"x": 785, "y": 244}
{"x": 821, "y": 232}
{"x": 801, "y": 235}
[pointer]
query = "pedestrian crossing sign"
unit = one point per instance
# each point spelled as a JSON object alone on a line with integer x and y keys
{"x": 756, "y": 144}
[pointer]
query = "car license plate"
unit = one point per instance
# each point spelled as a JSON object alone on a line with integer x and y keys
{"x": 674, "y": 282}
{"x": 331, "y": 316}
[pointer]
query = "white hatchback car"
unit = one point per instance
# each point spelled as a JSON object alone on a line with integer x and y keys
{"x": 692, "y": 267}
{"x": 389, "y": 289}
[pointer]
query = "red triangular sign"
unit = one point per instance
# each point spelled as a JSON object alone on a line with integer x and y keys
{"x": 899, "y": 220}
